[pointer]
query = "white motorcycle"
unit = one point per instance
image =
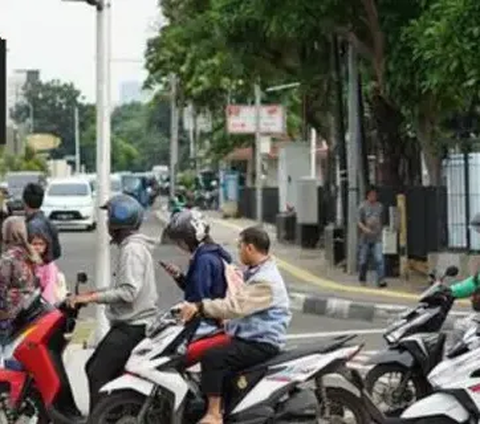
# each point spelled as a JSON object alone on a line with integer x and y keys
{"x": 160, "y": 387}
{"x": 456, "y": 385}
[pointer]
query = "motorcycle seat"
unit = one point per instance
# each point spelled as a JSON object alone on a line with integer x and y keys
{"x": 293, "y": 353}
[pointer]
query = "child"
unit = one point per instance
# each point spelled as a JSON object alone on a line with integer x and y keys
{"x": 47, "y": 273}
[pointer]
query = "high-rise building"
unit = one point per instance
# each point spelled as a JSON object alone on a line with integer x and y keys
{"x": 16, "y": 87}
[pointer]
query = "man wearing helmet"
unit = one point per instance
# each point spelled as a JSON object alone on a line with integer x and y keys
{"x": 131, "y": 300}
{"x": 205, "y": 278}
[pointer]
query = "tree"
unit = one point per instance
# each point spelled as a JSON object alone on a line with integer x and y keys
{"x": 52, "y": 105}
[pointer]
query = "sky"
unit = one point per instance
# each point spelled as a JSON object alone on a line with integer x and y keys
{"x": 58, "y": 38}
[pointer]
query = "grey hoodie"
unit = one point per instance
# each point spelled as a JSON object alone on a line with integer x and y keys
{"x": 133, "y": 297}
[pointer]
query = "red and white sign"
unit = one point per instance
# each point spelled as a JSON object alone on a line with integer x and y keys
{"x": 241, "y": 119}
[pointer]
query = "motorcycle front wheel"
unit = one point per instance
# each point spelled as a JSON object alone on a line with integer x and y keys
{"x": 391, "y": 392}
{"x": 124, "y": 406}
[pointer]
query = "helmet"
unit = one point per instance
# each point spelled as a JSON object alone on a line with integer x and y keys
{"x": 189, "y": 226}
{"x": 124, "y": 212}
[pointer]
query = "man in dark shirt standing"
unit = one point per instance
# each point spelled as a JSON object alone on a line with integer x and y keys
{"x": 37, "y": 222}
{"x": 370, "y": 216}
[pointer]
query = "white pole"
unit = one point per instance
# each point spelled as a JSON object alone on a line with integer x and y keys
{"x": 173, "y": 133}
{"x": 258, "y": 154}
{"x": 313, "y": 153}
{"x": 102, "y": 274}
{"x": 77, "y": 140}
{"x": 352, "y": 159}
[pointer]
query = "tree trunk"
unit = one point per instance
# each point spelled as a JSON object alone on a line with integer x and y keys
{"x": 388, "y": 120}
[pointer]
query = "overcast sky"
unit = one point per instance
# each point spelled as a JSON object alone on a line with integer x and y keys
{"x": 58, "y": 37}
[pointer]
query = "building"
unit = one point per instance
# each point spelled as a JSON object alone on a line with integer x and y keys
{"x": 16, "y": 84}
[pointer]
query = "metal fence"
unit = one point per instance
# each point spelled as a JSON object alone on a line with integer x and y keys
{"x": 461, "y": 173}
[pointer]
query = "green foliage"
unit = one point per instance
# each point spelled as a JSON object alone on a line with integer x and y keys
{"x": 52, "y": 105}
{"x": 29, "y": 161}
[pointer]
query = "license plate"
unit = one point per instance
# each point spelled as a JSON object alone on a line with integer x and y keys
{"x": 64, "y": 216}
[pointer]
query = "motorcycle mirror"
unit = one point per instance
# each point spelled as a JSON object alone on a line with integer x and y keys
{"x": 82, "y": 278}
{"x": 451, "y": 271}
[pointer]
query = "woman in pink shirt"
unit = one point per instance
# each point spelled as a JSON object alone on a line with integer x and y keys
{"x": 48, "y": 274}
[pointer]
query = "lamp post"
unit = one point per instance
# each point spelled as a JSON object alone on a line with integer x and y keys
{"x": 102, "y": 269}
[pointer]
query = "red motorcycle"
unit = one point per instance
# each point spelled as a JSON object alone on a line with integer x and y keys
{"x": 34, "y": 385}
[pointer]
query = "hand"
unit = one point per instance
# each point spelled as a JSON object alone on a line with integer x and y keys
{"x": 188, "y": 311}
{"x": 171, "y": 269}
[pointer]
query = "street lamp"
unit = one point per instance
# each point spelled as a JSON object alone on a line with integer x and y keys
{"x": 102, "y": 271}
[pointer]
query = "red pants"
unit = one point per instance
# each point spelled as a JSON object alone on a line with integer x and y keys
{"x": 197, "y": 349}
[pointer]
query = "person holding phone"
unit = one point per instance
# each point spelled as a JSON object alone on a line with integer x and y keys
{"x": 205, "y": 277}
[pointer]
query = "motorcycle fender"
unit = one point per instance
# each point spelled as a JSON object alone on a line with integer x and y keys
{"x": 15, "y": 381}
{"x": 393, "y": 356}
{"x": 437, "y": 405}
{"x": 129, "y": 382}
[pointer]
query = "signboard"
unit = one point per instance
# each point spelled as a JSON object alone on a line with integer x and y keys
{"x": 241, "y": 119}
{"x": 41, "y": 142}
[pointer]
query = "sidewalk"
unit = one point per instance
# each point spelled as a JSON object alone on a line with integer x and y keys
{"x": 317, "y": 288}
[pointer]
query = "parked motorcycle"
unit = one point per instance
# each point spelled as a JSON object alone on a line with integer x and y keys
{"x": 456, "y": 384}
{"x": 34, "y": 386}
{"x": 160, "y": 385}
{"x": 415, "y": 347}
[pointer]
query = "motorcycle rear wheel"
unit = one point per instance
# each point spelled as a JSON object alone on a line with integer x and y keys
{"x": 31, "y": 407}
{"x": 123, "y": 407}
{"x": 345, "y": 408}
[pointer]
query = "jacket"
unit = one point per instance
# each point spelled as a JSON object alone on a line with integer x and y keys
{"x": 259, "y": 311}
{"x": 465, "y": 288}
{"x": 38, "y": 223}
{"x": 133, "y": 297}
{"x": 205, "y": 278}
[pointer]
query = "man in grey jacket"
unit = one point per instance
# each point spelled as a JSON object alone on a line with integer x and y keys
{"x": 132, "y": 299}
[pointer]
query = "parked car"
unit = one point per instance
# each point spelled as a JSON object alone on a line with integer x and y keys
{"x": 16, "y": 182}
{"x": 70, "y": 204}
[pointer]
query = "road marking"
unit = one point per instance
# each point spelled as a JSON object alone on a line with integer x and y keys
{"x": 334, "y": 333}
{"x": 310, "y": 278}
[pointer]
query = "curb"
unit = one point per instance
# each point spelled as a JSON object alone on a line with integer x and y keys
{"x": 353, "y": 310}
{"x": 345, "y": 309}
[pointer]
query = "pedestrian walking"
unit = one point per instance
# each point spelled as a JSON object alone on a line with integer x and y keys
{"x": 370, "y": 223}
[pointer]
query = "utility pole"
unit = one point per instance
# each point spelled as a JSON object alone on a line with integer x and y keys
{"x": 340, "y": 134}
{"x": 3, "y": 91}
{"x": 192, "y": 134}
{"x": 353, "y": 159}
{"x": 258, "y": 154}
{"x": 77, "y": 139}
{"x": 173, "y": 133}
{"x": 313, "y": 153}
{"x": 102, "y": 274}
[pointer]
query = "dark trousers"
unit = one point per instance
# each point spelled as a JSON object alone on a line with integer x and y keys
{"x": 220, "y": 362}
{"x": 110, "y": 357}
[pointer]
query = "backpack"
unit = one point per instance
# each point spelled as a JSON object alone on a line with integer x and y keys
{"x": 233, "y": 277}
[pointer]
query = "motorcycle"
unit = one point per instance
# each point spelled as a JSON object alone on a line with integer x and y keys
{"x": 456, "y": 384}
{"x": 415, "y": 347}
{"x": 161, "y": 384}
{"x": 34, "y": 386}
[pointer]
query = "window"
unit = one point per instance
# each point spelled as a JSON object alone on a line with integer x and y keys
{"x": 73, "y": 189}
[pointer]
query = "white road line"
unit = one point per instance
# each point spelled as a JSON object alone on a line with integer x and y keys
{"x": 334, "y": 333}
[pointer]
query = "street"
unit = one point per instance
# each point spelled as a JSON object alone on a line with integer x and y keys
{"x": 79, "y": 255}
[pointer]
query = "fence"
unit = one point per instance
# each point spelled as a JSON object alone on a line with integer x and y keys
{"x": 462, "y": 179}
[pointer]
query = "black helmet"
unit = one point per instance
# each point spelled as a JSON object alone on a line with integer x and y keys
{"x": 189, "y": 226}
{"x": 124, "y": 213}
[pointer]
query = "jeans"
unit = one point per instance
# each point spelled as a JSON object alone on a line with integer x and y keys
{"x": 375, "y": 249}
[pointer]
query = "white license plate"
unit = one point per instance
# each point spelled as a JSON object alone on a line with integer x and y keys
{"x": 64, "y": 216}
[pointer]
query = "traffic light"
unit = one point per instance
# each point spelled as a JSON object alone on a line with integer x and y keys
{"x": 3, "y": 92}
